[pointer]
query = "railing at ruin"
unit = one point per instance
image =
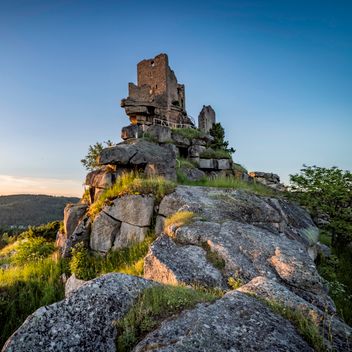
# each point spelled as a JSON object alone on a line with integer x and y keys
{"x": 170, "y": 124}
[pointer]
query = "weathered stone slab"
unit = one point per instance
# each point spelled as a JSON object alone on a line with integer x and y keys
{"x": 84, "y": 321}
{"x": 80, "y": 234}
{"x": 223, "y": 164}
{"x": 236, "y": 322}
{"x": 171, "y": 264}
{"x": 128, "y": 235}
{"x": 104, "y": 231}
{"x": 162, "y": 134}
{"x": 73, "y": 213}
{"x": 207, "y": 164}
{"x": 132, "y": 209}
{"x": 195, "y": 150}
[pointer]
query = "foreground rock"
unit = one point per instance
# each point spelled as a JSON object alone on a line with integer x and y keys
{"x": 236, "y": 322}
{"x": 82, "y": 322}
{"x": 337, "y": 335}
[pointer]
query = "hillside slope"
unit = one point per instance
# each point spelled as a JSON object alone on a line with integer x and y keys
{"x": 25, "y": 209}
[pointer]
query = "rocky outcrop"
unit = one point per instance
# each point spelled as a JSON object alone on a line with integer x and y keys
{"x": 252, "y": 235}
{"x": 140, "y": 154}
{"x": 84, "y": 321}
{"x": 268, "y": 179}
{"x": 236, "y": 322}
{"x": 337, "y": 335}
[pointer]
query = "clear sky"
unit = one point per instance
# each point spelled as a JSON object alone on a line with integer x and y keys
{"x": 277, "y": 73}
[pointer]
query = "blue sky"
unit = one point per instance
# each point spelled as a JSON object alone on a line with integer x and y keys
{"x": 277, "y": 73}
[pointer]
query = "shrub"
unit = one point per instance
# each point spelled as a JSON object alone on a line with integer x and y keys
{"x": 218, "y": 133}
{"x": 215, "y": 154}
{"x": 48, "y": 231}
{"x": 32, "y": 249}
{"x": 153, "y": 306}
{"x": 90, "y": 162}
{"x": 133, "y": 183}
{"x": 86, "y": 266}
{"x": 190, "y": 133}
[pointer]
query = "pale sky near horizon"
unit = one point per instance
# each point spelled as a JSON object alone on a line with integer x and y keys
{"x": 277, "y": 73}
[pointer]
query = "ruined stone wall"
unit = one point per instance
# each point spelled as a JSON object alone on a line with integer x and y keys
{"x": 154, "y": 72}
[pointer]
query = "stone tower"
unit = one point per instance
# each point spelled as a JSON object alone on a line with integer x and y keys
{"x": 206, "y": 118}
{"x": 157, "y": 97}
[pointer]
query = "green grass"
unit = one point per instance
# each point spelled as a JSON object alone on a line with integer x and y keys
{"x": 337, "y": 270}
{"x": 182, "y": 162}
{"x": 25, "y": 288}
{"x": 132, "y": 183}
{"x": 229, "y": 182}
{"x": 215, "y": 154}
{"x": 214, "y": 257}
{"x": 307, "y": 328}
{"x": 190, "y": 133}
{"x": 325, "y": 238}
{"x": 86, "y": 265}
{"x": 239, "y": 167}
{"x": 153, "y": 306}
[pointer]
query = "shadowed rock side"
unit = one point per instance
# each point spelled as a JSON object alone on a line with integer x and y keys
{"x": 84, "y": 321}
{"x": 235, "y": 322}
{"x": 337, "y": 335}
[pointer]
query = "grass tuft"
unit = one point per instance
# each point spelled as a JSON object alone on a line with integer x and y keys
{"x": 86, "y": 265}
{"x": 215, "y": 154}
{"x": 178, "y": 219}
{"x": 132, "y": 183}
{"x": 229, "y": 182}
{"x": 190, "y": 133}
{"x": 303, "y": 322}
{"x": 153, "y": 306}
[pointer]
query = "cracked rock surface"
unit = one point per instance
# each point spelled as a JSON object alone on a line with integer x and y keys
{"x": 84, "y": 321}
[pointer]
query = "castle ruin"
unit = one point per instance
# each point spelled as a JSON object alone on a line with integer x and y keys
{"x": 157, "y": 98}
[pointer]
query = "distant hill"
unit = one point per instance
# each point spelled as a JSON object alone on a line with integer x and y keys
{"x": 24, "y": 209}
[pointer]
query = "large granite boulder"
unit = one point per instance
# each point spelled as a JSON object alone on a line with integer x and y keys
{"x": 236, "y": 322}
{"x": 103, "y": 233}
{"x": 337, "y": 335}
{"x": 73, "y": 213}
{"x": 219, "y": 205}
{"x": 84, "y": 321}
{"x": 171, "y": 264}
{"x": 133, "y": 209}
{"x": 139, "y": 153}
{"x": 253, "y": 236}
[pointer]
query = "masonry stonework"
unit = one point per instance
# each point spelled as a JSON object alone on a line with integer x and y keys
{"x": 157, "y": 97}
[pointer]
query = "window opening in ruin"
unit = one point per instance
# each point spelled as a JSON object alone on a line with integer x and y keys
{"x": 152, "y": 63}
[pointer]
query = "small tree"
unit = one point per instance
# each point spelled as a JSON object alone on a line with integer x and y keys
{"x": 218, "y": 132}
{"x": 329, "y": 191}
{"x": 90, "y": 162}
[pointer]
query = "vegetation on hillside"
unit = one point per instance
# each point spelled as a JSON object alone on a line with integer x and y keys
{"x": 327, "y": 192}
{"x": 24, "y": 210}
{"x": 219, "y": 142}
